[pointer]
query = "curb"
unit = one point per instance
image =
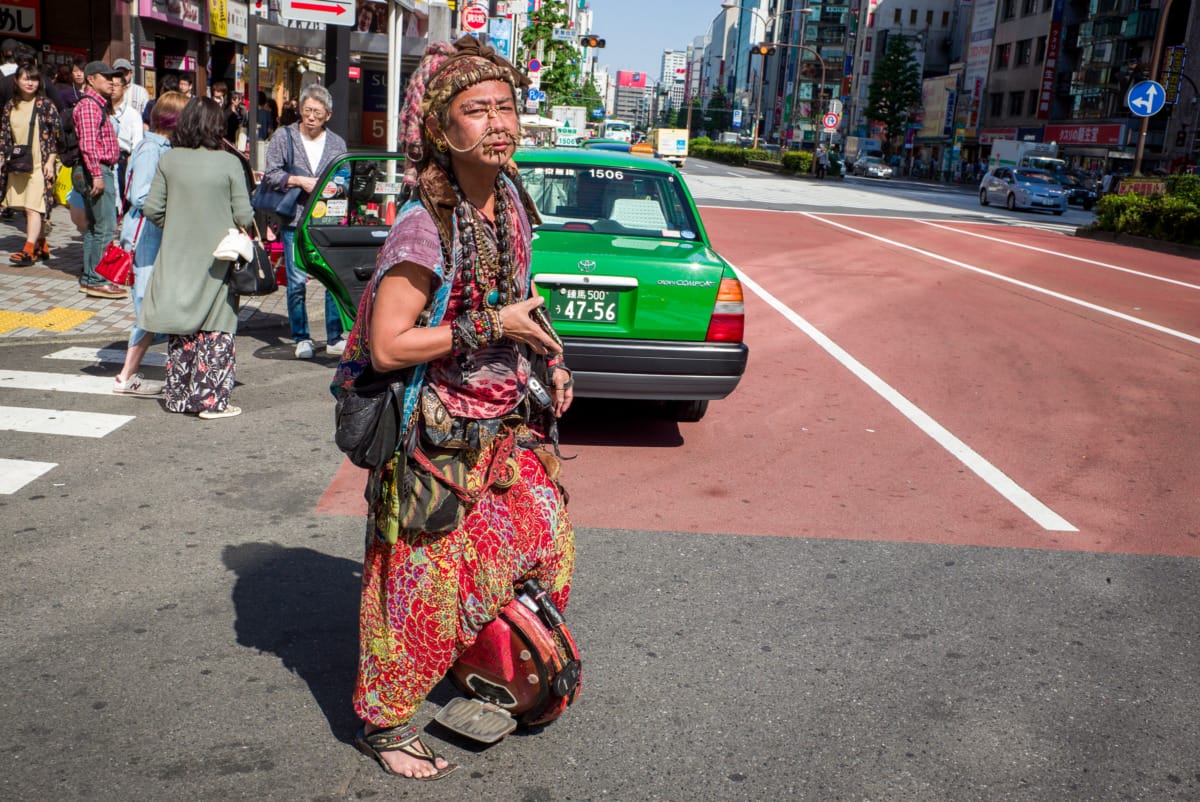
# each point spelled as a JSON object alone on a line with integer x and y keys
{"x": 1145, "y": 243}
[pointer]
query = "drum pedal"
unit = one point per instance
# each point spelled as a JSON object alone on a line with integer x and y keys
{"x": 475, "y": 719}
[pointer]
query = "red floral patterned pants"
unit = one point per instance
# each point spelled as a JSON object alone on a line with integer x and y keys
{"x": 425, "y": 599}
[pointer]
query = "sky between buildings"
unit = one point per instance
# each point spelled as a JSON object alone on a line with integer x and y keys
{"x": 636, "y": 32}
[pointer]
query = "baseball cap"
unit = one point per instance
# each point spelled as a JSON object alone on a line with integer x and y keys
{"x": 122, "y": 64}
{"x": 98, "y": 68}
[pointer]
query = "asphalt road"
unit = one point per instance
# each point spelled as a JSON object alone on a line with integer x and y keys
{"x": 799, "y": 597}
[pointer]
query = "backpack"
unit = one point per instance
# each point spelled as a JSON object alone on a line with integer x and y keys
{"x": 68, "y": 139}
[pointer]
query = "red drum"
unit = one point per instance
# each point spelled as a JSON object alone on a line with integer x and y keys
{"x": 523, "y": 669}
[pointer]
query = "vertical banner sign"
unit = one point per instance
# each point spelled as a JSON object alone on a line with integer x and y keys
{"x": 979, "y": 52}
{"x": 374, "y": 107}
{"x": 1046, "y": 95}
{"x": 1172, "y": 75}
{"x": 218, "y": 18}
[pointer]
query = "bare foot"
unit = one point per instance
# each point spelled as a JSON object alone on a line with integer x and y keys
{"x": 406, "y": 765}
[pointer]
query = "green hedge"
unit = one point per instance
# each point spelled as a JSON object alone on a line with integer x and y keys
{"x": 1174, "y": 217}
{"x": 797, "y": 162}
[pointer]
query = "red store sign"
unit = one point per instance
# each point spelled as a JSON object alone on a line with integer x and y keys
{"x": 1084, "y": 134}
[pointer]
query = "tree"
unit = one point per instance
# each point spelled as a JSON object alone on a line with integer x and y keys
{"x": 895, "y": 91}
{"x": 560, "y": 60}
{"x": 718, "y": 117}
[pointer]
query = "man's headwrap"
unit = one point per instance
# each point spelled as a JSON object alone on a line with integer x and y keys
{"x": 445, "y": 70}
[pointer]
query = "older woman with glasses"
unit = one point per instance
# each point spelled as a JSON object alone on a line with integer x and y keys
{"x": 296, "y": 156}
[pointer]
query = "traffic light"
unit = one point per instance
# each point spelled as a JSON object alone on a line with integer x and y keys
{"x": 591, "y": 41}
{"x": 1181, "y": 137}
{"x": 763, "y": 49}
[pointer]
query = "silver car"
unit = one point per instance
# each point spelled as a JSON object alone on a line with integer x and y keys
{"x": 1023, "y": 188}
{"x": 872, "y": 167}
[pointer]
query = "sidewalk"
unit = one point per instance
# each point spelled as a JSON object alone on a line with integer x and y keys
{"x": 44, "y": 301}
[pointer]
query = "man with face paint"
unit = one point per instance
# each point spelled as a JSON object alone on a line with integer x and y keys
{"x": 452, "y": 297}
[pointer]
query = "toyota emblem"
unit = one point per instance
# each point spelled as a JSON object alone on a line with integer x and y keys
{"x": 586, "y": 265}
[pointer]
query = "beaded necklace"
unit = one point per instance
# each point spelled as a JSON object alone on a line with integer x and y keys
{"x": 488, "y": 272}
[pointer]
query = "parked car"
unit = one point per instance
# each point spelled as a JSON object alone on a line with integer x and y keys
{"x": 873, "y": 167}
{"x": 618, "y": 145}
{"x": 645, "y": 307}
{"x": 1079, "y": 191}
{"x": 1023, "y": 188}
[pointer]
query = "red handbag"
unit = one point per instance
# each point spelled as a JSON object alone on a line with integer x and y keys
{"x": 116, "y": 265}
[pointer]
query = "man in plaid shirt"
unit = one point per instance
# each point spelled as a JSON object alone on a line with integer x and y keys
{"x": 94, "y": 177}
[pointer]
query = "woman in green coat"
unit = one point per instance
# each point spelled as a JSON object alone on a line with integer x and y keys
{"x": 198, "y": 194}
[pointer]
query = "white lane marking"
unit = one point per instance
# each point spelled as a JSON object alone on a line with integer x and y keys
{"x": 60, "y": 421}
{"x": 1059, "y": 254}
{"x": 1020, "y": 498}
{"x": 114, "y": 356}
{"x": 58, "y": 382}
{"x": 1137, "y": 321}
{"x": 16, "y": 473}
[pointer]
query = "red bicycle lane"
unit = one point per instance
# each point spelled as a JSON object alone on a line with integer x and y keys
{"x": 1089, "y": 413}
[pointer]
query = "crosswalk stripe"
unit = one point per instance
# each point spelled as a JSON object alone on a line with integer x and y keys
{"x": 16, "y": 473}
{"x": 59, "y": 382}
{"x": 60, "y": 421}
{"x": 113, "y": 355}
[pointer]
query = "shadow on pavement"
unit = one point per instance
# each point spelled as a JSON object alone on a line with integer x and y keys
{"x": 302, "y": 606}
{"x": 608, "y": 422}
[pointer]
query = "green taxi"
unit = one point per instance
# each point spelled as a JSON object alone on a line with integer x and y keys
{"x": 645, "y": 307}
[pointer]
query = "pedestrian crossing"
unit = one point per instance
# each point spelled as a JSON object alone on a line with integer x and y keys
{"x": 17, "y": 473}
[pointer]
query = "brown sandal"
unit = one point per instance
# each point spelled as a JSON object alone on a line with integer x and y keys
{"x": 400, "y": 739}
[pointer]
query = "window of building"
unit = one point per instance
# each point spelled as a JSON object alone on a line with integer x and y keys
{"x": 1008, "y": 9}
{"x": 1034, "y": 96}
{"x": 912, "y": 16}
{"x": 1015, "y": 102}
{"x": 929, "y": 17}
{"x": 1029, "y": 7}
{"x": 866, "y": 67}
{"x": 867, "y": 45}
{"x": 1041, "y": 50}
{"x": 1047, "y": 5}
{"x": 945, "y": 19}
{"x": 1003, "y": 56}
{"x": 1024, "y": 51}
{"x": 896, "y": 16}
{"x": 871, "y": 20}
{"x": 995, "y": 104}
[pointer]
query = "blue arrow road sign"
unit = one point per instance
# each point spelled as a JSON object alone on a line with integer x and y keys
{"x": 1146, "y": 98}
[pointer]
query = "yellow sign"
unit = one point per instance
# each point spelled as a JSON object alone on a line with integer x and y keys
{"x": 57, "y": 319}
{"x": 218, "y": 18}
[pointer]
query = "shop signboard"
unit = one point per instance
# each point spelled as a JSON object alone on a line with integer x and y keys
{"x": 238, "y": 20}
{"x": 146, "y": 57}
{"x": 184, "y": 13}
{"x": 21, "y": 18}
{"x": 328, "y": 12}
{"x": 1085, "y": 134}
{"x": 218, "y": 18}
{"x": 1046, "y": 96}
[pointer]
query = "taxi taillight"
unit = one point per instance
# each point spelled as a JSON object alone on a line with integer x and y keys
{"x": 728, "y": 322}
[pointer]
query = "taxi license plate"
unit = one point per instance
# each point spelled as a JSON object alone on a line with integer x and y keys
{"x": 578, "y": 304}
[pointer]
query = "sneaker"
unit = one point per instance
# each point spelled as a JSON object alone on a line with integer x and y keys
{"x": 304, "y": 349}
{"x": 106, "y": 290}
{"x": 336, "y": 348}
{"x": 136, "y": 385}
{"x": 229, "y": 412}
